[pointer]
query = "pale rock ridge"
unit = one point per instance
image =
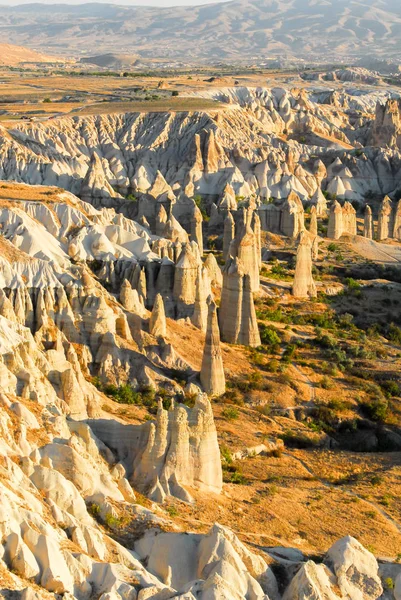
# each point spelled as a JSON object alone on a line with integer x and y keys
{"x": 368, "y": 223}
{"x": 96, "y": 184}
{"x": 237, "y": 317}
{"x": 304, "y": 286}
{"x": 212, "y": 373}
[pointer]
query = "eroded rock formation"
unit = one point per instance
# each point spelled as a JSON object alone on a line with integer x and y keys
{"x": 212, "y": 372}
{"x": 304, "y": 286}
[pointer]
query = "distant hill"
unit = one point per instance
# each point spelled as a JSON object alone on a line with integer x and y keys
{"x": 111, "y": 61}
{"x": 246, "y": 29}
{"x": 12, "y": 56}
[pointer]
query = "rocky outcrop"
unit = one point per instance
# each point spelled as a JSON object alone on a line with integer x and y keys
{"x": 246, "y": 247}
{"x": 386, "y": 129}
{"x": 185, "y": 275}
{"x": 385, "y": 222}
{"x": 335, "y": 227}
{"x": 313, "y": 221}
{"x": 348, "y": 571}
{"x": 319, "y": 201}
{"x": 212, "y": 373}
{"x": 304, "y": 286}
{"x": 196, "y": 228}
{"x": 292, "y": 219}
{"x": 157, "y": 321}
{"x": 179, "y": 450}
{"x": 342, "y": 220}
{"x": 368, "y": 223}
{"x": 228, "y": 234}
{"x": 397, "y": 222}
{"x": 237, "y": 317}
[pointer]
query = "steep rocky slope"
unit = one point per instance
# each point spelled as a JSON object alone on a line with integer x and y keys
{"x": 266, "y": 143}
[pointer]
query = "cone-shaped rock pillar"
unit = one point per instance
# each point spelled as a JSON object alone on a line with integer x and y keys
{"x": 237, "y": 317}
{"x": 313, "y": 221}
{"x": 196, "y": 229}
{"x": 368, "y": 223}
{"x": 384, "y": 223}
{"x": 199, "y": 318}
{"x": 212, "y": 372}
{"x": 335, "y": 228}
{"x": 304, "y": 286}
{"x": 157, "y": 321}
{"x": 229, "y": 234}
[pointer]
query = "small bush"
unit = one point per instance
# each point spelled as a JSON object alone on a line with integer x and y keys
{"x": 172, "y": 511}
{"x": 270, "y": 338}
{"x": 375, "y": 409}
{"x": 229, "y": 413}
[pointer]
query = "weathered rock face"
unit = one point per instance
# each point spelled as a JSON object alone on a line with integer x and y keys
{"x": 157, "y": 321}
{"x": 313, "y": 221}
{"x": 304, "y": 286}
{"x": 104, "y": 157}
{"x": 237, "y": 317}
{"x": 342, "y": 220}
{"x": 179, "y": 450}
{"x": 228, "y": 234}
{"x": 335, "y": 227}
{"x": 292, "y": 219}
{"x": 349, "y": 571}
{"x": 319, "y": 202}
{"x": 205, "y": 573}
{"x": 196, "y": 229}
{"x": 386, "y": 130}
{"x": 246, "y": 247}
{"x": 212, "y": 371}
{"x": 186, "y": 272}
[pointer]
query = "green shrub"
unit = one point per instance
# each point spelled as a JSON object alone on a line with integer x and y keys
{"x": 229, "y": 413}
{"x": 172, "y": 511}
{"x": 270, "y": 338}
{"x": 375, "y": 409}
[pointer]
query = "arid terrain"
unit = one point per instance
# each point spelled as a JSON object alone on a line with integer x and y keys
{"x": 200, "y": 332}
